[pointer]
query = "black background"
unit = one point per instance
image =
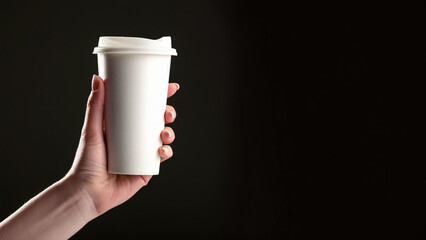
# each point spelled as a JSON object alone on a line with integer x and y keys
{"x": 294, "y": 120}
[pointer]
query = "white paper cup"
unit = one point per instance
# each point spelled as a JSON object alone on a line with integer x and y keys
{"x": 136, "y": 73}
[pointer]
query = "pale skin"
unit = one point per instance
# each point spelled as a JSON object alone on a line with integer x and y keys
{"x": 87, "y": 190}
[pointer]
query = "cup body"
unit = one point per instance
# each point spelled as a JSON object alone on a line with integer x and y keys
{"x": 135, "y": 102}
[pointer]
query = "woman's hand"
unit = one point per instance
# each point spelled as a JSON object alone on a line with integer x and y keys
{"x": 89, "y": 170}
{"x": 88, "y": 190}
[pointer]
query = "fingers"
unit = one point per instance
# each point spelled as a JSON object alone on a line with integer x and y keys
{"x": 169, "y": 114}
{"x": 167, "y": 135}
{"x": 165, "y": 152}
{"x": 92, "y": 132}
{"x": 173, "y": 87}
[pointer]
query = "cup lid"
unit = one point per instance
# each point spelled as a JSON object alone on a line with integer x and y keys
{"x": 136, "y": 45}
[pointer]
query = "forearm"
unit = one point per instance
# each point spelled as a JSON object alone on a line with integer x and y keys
{"x": 56, "y": 213}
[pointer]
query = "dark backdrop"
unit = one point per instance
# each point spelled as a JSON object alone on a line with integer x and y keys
{"x": 294, "y": 120}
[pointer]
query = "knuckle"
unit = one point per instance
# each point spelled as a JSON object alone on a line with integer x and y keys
{"x": 90, "y": 137}
{"x": 87, "y": 134}
{"x": 92, "y": 101}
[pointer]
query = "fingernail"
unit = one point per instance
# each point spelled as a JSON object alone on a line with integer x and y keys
{"x": 95, "y": 82}
{"x": 172, "y": 114}
{"x": 165, "y": 151}
{"x": 169, "y": 134}
{"x": 177, "y": 85}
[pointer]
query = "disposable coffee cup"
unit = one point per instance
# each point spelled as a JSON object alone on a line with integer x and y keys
{"x": 136, "y": 73}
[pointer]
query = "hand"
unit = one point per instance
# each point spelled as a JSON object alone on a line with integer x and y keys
{"x": 89, "y": 170}
{"x": 88, "y": 190}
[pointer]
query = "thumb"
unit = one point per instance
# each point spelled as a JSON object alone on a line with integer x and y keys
{"x": 92, "y": 132}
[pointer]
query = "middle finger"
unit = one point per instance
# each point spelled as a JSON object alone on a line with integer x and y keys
{"x": 169, "y": 114}
{"x": 167, "y": 135}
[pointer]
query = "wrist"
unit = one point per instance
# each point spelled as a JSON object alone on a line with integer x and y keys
{"x": 56, "y": 213}
{"x": 83, "y": 203}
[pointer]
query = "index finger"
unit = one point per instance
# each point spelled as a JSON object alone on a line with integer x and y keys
{"x": 173, "y": 87}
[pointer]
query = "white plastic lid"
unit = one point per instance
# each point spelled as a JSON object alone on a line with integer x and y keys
{"x": 162, "y": 46}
